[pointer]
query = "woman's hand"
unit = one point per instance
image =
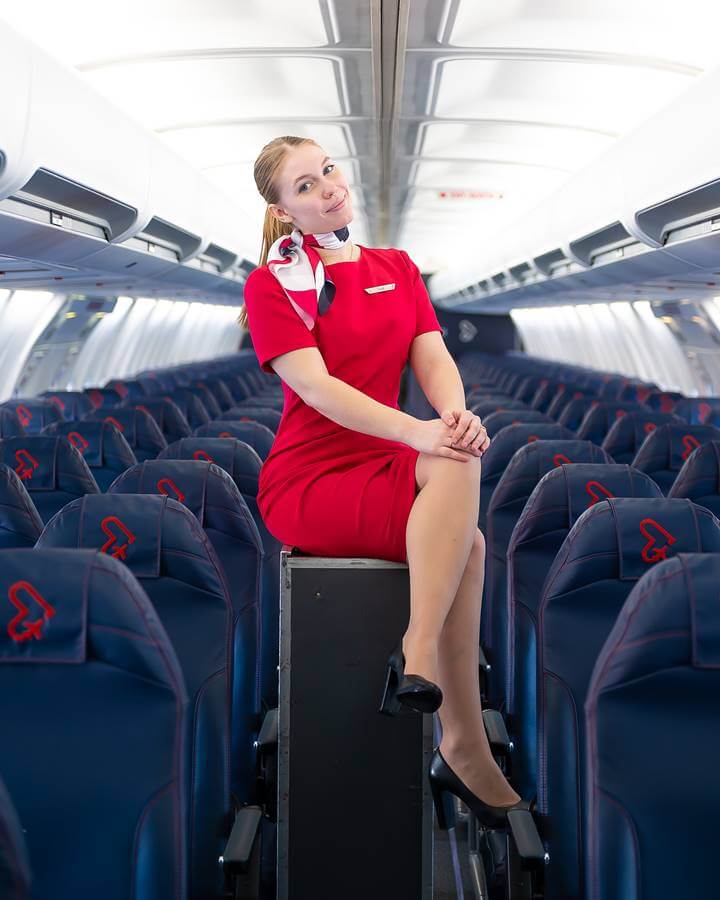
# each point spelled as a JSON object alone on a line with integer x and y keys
{"x": 436, "y": 437}
{"x": 468, "y": 430}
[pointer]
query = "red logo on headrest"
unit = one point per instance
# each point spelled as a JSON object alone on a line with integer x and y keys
{"x": 533, "y": 437}
{"x": 168, "y": 487}
{"x": 30, "y": 629}
{"x": 58, "y": 402}
{"x": 577, "y": 395}
{"x": 592, "y": 487}
{"x": 121, "y": 389}
{"x": 651, "y": 553}
{"x": 201, "y": 454}
{"x": 114, "y": 422}
{"x": 96, "y": 398}
{"x": 648, "y": 427}
{"x": 690, "y": 443}
{"x": 123, "y": 540}
{"x": 642, "y": 393}
{"x": 560, "y": 458}
{"x": 667, "y": 404}
{"x": 26, "y": 464}
{"x": 225, "y": 434}
{"x": 245, "y": 419}
{"x": 704, "y": 410}
{"x": 144, "y": 409}
{"x": 24, "y": 414}
{"x": 619, "y": 413}
{"x": 78, "y": 441}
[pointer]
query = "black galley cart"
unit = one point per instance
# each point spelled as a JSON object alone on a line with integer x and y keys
{"x": 354, "y": 808}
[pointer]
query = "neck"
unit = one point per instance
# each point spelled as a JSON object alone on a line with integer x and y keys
{"x": 344, "y": 254}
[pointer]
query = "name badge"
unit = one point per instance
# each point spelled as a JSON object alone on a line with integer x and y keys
{"x": 378, "y": 289}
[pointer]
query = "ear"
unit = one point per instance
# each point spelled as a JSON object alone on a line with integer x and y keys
{"x": 280, "y": 213}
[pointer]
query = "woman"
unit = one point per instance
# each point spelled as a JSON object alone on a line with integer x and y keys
{"x": 349, "y": 473}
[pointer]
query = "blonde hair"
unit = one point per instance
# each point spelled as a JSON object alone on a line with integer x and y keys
{"x": 266, "y": 165}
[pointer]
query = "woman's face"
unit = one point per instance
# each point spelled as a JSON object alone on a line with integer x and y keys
{"x": 313, "y": 193}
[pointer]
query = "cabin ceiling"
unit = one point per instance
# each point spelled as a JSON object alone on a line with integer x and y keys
{"x": 450, "y": 117}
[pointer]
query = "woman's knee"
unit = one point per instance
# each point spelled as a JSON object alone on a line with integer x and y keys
{"x": 429, "y": 466}
{"x": 476, "y": 557}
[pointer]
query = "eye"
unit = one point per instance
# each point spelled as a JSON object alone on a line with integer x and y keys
{"x": 301, "y": 189}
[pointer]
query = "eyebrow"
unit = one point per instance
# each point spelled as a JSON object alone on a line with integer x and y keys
{"x": 300, "y": 177}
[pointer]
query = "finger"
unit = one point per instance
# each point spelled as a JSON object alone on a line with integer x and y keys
{"x": 453, "y": 454}
{"x": 476, "y": 436}
{"x": 465, "y": 419}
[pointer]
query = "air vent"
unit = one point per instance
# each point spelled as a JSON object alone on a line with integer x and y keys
{"x": 552, "y": 262}
{"x": 521, "y": 272}
{"x": 604, "y": 245}
{"x": 51, "y": 199}
{"x": 686, "y": 215}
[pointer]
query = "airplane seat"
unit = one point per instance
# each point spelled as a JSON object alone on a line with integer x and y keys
{"x": 190, "y": 405}
{"x": 20, "y": 522}
{"x": 573, "y": 412}
{"x": 642, "y": 768}
{"x": 627, "y": 433}
{"x": 156, "y": 382}
{"x": 527, "y": 388}
{"x": 602, "y": 415}
{"x": 270, "y": 403}
{"x": 214, "y": 499}
{"x": 500, "y": 419}
{"x": 545, "y": 393}
{"x": 15, "y": 874}
{"x": 241, "y": 389}
{"x": 137, "y": 426}
{"x": 94, "y": 708}
{"x": 33, "y": 413}
{"x": 51, "y": 469}
{"x": 243, "y": 465}
{"x": 103, "y": 398}
{"x": 699, "y": 410}
{"x": 259, "y": 436}
{"x": 9, "y": 424}
{"x": 637, "y": 390}
{"x": 699, "y": 478}
{"x": 163, "y": 546}
{"x": 129, "y": 389}
{"x": 555, "y": 504}
{"x": 663, "y": 401}
{"x": 525, "y": 469}
{"x": 219, "y": 390}
{"x": 564, "y": 394}
{"x": 664, "y": 451}
{"x": 206, "y": 397}
{"x": 72, "y": 404}
{"x": 606, "y": 552}
{"x": 102, "y": 446}
{"x": 168, "y": 416}
{"x": 487, "y": 406}
{"x": 269, "y": 417}
{"x": 503, "y": 447}
{"x": 611, "y": 386}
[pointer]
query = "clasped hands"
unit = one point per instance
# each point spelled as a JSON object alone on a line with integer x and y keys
{"x": 470, "y": 434}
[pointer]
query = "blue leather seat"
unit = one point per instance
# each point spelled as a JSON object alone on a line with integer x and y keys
{"x": 9, "y": 424}
{"x": 20, "y": 522}
{"x": 72, "y": 404}
{"x": 15, "y": 876}
{"x": 165, "y": 548}
{"x": 699, "y": 478}
{"x": 102, "y": 445}
{"x": 167, "y": 414}
{"x": 104, "y": 398}
{"x": 653, "y": 739}
{"x": 33, "y": 413}
{"x": 258, "y": 436}
{"x": 129, "y": 389}
{"x": 190, "y": 405}
{"x": 626, "y": 435}
{"x": 486, "y": 407}
{"x": 663, "y": 401}
{"x": 138, "y": 428}
{"x": 564, "y": 395}
{"x": 574, "y": 411}
{"x": 218, "y": 389}
{"x": 556, "y": 503}
{"x": 94, "y": 711}
{"x": 214, "y": 499}
{"x": 521, "y": 416}
{"x": 602, "y": 415}
{"x": 268, "y": 417}
{"x": 52, "y": 471}
{"x": 665, "y": 450}
{"x": 243, "y": 465}
{"x": 519, "y": 479}
{"x": 608, "y": 549}
{"x": 503, "y": 446}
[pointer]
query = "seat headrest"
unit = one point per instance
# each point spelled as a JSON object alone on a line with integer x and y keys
{"x": 34, "y": 460}
{"x": 236, "y": 457}
{"x": 676, "y": 441}
{"x": 9, "y": 424}
{"x": 547, "y": 454}
{"x": 127, "y": 527}
{"x": 18, "y": 515}
{"x": 183, "y": 480}
{"x": 589, "y": 483}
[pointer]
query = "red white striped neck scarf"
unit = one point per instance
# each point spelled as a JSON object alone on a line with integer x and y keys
{"x": 295, "y": 263}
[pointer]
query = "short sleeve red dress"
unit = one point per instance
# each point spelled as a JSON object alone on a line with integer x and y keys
{"x": 324, "y": 488}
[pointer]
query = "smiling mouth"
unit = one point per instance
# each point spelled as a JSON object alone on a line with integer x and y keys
{"x": 337, "y": 205}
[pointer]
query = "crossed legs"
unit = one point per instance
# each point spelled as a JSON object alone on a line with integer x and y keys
{"x": 446, "y": 561}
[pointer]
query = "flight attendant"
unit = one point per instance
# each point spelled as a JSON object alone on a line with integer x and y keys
{"x": 351, "y": 474}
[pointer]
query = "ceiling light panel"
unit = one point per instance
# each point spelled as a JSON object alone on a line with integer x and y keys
{"x": 605, "y": 98}
{"x": 644, "y": 28}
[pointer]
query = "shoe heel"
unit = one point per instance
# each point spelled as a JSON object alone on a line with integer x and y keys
{"x": 390, "y": 705}
{"x": 444, "y": 807}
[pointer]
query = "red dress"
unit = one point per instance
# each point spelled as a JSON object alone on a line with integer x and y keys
{"x": 326, "y": 489}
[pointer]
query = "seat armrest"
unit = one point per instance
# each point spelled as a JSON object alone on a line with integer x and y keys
{"x": 268, "y": 734}
{"x": 527, "y": 841}
{"x": 239, "y": 848}
{"x": 496, "y": 731}
{"x": 484, "y": 664}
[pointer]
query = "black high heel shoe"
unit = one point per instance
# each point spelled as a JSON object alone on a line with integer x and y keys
{"x": 443, "y": 781}
{"x": 412, "y": 691}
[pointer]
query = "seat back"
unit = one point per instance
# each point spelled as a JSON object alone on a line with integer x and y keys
{"x": 9, "y": 424}
{"x": 167, "y": 414}
{"x": 191, "y": 406}
{"x": 663, "y": 401}
{"x": 214, "y": 499}
{"x": 104, "y": 398}
{"x": 664, "y": 451}
{"x": 564, "y": 394}
{"x": 34, "y": 413}
{"x": 602, "y": 415}
{"x": 699, "y": 478}
{"x": 165, "y": 548}
{"x": 258, "y": 436}
{"x": 15, "y": 877}
{"x": 644, "y": 765}
{"x": 94, "y": 709}
{"x": 520, "y": 416}
{"x": 219, "y": 391}
{"x": 72, "y": 404}
{"x": 627, "y": 433}
{"x": 102, "y": 446}
{"x": 137, "y": 426}
{"x": 518, "y": 481}
{"x": 573, "y": 412}
{"x": 263, "y": 415}
{"x": 20, "y": 523}
{"x": 555, "y": 504}
{"x": 52, "y": 471}
{"x": 608, "y": 549}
